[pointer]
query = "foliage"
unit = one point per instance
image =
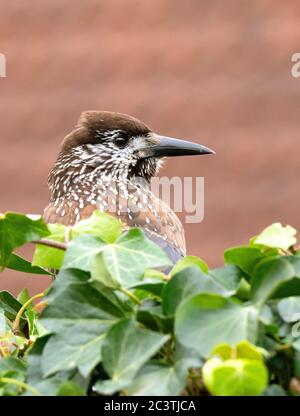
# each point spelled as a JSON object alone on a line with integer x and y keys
{"x": 111, "y": 323}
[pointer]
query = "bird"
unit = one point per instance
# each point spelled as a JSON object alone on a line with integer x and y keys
{"x": 106, "y": 163}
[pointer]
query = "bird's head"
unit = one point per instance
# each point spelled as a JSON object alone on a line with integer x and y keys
{"x": 118, "y": 146}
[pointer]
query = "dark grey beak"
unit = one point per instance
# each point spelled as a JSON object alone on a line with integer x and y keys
{"x": 168, "y": 146}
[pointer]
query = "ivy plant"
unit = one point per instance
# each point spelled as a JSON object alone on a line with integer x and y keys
{"x": 112, "y": 323}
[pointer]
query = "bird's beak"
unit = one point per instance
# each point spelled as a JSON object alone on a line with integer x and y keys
{"x": 168, "y": 146}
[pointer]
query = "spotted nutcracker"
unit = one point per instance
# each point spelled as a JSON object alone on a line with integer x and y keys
{"x": 107, "y": 163}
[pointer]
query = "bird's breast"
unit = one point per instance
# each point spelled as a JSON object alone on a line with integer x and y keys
{"x": 134, "y": 205}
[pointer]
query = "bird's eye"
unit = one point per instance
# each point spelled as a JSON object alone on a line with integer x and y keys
{"x": 121, "y": 140}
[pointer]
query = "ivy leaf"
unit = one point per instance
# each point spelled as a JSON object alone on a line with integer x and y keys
{"x": 16, "y": 230}
{"x": 205, "y": 320}
{"x": 122, "y": 364}
{"x": 81, "y": 252}
{"x": 186, "y": 283}
{"x": 130, "y": 255}
{"x": 32, "y": 321}
{"x": 274, "y": 390}
{"x": 50, "y": 257}
{"x": 10, "y": 305}
{"x": 159, "y": 380}
{"x": 78, "y": 315}
{"x": 189, "y": 261}
{"x": 75, "y": 287}
{"x": 229, "y": 277}
{"x": 124, "y": 261}
{"x": 150, "y": 314}
{"x": 11, "y": 367}
{"x": 272, "y": 275}
{"x": 78, "y": 346}
{"x": 277, "y": 236}
{"x": 12, "y": 364}
{"x": 35, "y": 378}
{"x": 23, "y": 296}
{"x": 243, "y": 349}
{"x": 244, "y": 257}
{"x": 154, "y": 286}
{"x": 238, "y": 377}
{"x": 100, "y": 224}
{"x": 70, "y": 388}
{"x": 19, "y": 264}
{"x": 289, "y": 308}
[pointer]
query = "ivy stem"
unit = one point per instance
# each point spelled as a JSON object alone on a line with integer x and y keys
{"x": 131, "y": 296}
{"x": 51, "y": 243}
{"x": 16, "y": 323}
{"x": 21, "y": 384}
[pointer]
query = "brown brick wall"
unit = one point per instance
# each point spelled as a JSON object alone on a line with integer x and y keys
{"x": 215, "y": 71}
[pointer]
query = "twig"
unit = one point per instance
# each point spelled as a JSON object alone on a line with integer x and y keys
{"x": 51, "y": 243}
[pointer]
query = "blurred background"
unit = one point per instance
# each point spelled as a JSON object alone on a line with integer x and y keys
{"x": 213, "y": 71}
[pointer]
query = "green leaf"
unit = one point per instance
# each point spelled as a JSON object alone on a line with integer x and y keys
{"x": 10, "y": 305}
{"x": 228, "y": 277}
{"x": 79, "y": 346}
{"x": 243, "y": 349}
{"x": 269, "y": 276}
{"x": 126, "y": 260}
{"x": 205, "y": 320}
{"x": 16, "y": 230}
{"x": 73, "y": 292}
{"x": 277, "y": 236}
{"x": 69, "y": 388}
{"x": 289, "y": 308}
{"x": 17, "y": 262}
{"x": 244, "y": 257}
{"x": 78, "y": 314}
{"x": 32, "y": 321}
{"x": 35, "y": 378}
{"x": 159, "y": 380}
{"x": 223, "y": 351}
{"x": 189, "y": 261}
{"x": 150, "y": 314}
{"x": 101, "y": 274}
{"x": 123, "y": 363}
{"x": 81, "y": 252}
{"x": 238, "y": 377}
{"x": 100, "y": 224}
{"x": 50, "y": 257}
{"x": 186, "y": 283}
{"x": 12, "y": 364}
{"x": 11, "y": 367}
{"x": 274, "y": 390}
{"x": 23, "y": 296}
{"x": 154, "y": 286}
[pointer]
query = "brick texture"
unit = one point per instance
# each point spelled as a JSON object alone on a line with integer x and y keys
{"x": 214, "y": 71}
